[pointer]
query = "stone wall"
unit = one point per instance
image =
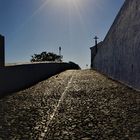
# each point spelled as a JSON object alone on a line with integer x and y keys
{"x": 2, "y": 51}
{"x": 119, "y": 55}
{"x": 15, "y": 78}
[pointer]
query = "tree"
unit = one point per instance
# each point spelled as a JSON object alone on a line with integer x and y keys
{"x": 74, "y": 65}
{"x": 44, "y": 56}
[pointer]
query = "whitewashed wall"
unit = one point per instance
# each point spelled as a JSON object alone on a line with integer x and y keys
{"x": 119, "y": 56}
{"x": 17, "y": 77}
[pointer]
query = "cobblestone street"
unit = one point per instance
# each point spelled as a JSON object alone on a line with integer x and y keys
{"x": 73, "y": 105}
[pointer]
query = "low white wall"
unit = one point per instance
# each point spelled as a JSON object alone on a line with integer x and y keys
{"x": 14, "y": 78}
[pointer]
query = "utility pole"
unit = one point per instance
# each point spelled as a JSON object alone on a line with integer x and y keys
{"x": 60, "y": 54}
{"x": 59, "y": 51}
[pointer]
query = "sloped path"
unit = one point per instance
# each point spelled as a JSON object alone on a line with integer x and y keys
{"x": 74, "y": 105}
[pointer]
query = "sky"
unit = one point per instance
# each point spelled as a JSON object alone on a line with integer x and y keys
{"x": 34, "y": 26}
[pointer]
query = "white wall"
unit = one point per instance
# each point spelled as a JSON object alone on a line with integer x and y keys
{"x": 14, "y": 78}
{"x": 119, "y": 56}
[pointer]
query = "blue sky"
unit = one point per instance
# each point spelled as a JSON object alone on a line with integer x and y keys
{"x": 33, "y": 26}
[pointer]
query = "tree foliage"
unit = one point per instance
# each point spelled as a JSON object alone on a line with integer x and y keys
{"x": 44, "y": 56}
{"x": 74, "y": 65}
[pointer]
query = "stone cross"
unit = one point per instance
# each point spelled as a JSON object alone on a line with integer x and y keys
{"x": 96, "y": 39}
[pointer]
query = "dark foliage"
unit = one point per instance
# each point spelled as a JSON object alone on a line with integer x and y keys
{"x": 44, "y": 56}
{"x": 74, "y": 65}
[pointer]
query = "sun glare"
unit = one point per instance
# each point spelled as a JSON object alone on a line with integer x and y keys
{"x": 69, "y": 3}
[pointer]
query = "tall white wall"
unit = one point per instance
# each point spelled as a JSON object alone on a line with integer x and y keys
{"x": 119, "y": 56}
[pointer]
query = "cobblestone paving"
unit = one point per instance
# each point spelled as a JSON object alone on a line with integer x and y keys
{"x": 74, "y": 105}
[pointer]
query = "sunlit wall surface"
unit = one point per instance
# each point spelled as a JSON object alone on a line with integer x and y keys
{"x": 119, "y": 55}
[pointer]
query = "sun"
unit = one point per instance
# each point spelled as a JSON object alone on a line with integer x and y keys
{"x": 69, "y": 3}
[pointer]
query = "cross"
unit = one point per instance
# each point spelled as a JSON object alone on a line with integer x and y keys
{"x": 96, "y": 39}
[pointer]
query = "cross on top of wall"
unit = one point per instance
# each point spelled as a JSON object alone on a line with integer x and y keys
{"x": 96, "y": 40}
